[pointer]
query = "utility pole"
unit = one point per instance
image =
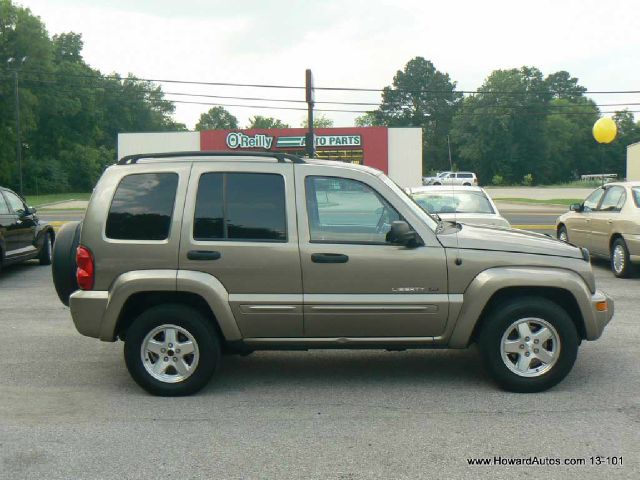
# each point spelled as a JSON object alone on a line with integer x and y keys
{"x": 310, "y": 143}
{"x": 11, "y": 61}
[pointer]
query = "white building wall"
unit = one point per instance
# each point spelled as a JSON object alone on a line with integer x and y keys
{"x": 131, "y": 143}
{"x": 405, "y": 156}
{"x": 633, "y": 162}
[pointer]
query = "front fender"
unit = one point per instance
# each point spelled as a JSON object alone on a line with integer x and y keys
{"x": 489, "y": 282}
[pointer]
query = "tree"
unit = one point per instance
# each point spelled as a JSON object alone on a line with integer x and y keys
{"x": 259, "y": 121}
{"x": 615, "y": 154}
{"x": 562, "y": 85}
{"x": 70, "y": 113}
{"x": 217, "y": 118}
{"x": 319, "y": 121}
{"x": 500, "y": 130}
{"x": 368, "y": 119}
{"x": 421, "y": 96}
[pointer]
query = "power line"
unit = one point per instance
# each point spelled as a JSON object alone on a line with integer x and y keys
{"x": 343, "y": 89}
{"x": 377, "y": 105}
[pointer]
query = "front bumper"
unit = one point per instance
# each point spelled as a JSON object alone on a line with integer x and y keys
{"x": 600, "y": 317}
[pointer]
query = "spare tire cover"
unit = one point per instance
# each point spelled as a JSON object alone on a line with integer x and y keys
{"x": 63, "y": 268}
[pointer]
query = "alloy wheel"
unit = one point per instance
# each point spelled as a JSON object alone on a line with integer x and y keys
{"x": 530, "y": 347}
{"x": 169, "y": 353}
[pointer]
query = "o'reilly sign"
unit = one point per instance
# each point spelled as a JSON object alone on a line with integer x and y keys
{"x": 241, "y": 140}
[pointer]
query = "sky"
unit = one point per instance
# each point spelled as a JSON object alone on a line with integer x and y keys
{"x": 347, "y": 44}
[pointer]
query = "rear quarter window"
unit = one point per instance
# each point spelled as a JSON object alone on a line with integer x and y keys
{"x": 142, "y": 207}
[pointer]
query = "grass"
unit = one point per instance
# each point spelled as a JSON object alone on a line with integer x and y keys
{"x": 38, "y": 200}
{"x": 565, "y": 202}
{"x": 571, "y": 184}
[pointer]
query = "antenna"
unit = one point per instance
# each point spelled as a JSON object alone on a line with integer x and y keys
{"x": 458, "y": 260}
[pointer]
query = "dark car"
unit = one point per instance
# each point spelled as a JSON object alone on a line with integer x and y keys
{"x": 22, "y": 235}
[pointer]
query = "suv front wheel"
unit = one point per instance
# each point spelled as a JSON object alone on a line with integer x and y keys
{"x": 171, "y": 350}
{"x": 529, "y": 344}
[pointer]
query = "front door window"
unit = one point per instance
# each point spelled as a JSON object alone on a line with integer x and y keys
{"x": 342, "y": 210}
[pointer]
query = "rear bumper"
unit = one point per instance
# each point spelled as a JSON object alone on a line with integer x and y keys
{"x": 87, "y": 310}
{"x": 600, "y": 318}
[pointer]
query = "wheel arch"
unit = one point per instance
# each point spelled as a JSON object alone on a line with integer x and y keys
{"x": 141, "y": 301}
{"x": 613, "y": 238}
{"x": 134, "y": 291}
{"x": 493, "y": 286}
{"x": 559, "y": 296}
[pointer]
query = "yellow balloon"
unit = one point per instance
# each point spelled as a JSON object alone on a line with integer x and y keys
{"x": 605, "y": 130}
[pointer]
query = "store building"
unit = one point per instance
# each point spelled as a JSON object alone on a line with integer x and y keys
{"x": 395, "y": 151}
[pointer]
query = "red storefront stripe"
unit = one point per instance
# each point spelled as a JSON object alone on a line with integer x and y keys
{"x": 375, "y": 141}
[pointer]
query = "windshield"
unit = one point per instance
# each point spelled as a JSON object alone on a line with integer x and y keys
{"x": 454, "y": 202}
{"x": 417, "y": 209}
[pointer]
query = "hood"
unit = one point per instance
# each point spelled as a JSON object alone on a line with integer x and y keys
{"x": 506, "y": 240}
{"x": 487, "y": 219}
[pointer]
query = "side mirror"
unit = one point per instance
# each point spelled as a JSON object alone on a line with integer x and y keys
{"x": 401, "y": 234}
{"x": 31, "y": 210}
{"x": 576, "y": 207}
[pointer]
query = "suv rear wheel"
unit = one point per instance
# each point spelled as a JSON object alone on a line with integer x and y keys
{"x": 171, "y": 350}
{"x": 529, "y": 344}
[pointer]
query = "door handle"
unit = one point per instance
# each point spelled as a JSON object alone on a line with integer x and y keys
{"x": 329, "y": 258}
{"x": 203, "y": 255}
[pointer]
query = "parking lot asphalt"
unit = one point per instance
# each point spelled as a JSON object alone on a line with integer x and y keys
{"x": 68, "y": 408}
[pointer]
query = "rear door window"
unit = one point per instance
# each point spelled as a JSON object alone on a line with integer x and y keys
{"x": 4, "y": 208}
{"x": 613, "y": 200}
{"x": 240, "y": 207}
{"x": 142, "y": 207}
{"x": 15, "y": 202}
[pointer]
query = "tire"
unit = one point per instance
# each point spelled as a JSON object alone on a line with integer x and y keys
{"x": 46, "y": 251}
{"x": 562, "y": 234}
{"x": 561, "y": 347}
{"x": 197, "y": 368}
{"x": 63, "y": 268}
{"x": 621, "y": 265}
{"x": 437, "y": 183}
{"x": 466, "y": 184}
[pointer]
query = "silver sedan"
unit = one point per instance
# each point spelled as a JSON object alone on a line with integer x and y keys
{"x": 460, "y": 203}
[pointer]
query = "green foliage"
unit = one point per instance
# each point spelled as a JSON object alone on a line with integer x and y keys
{"x": 422, "y": 96}
{"x": 527, "y": 180}
{"x": 266, "y": 122}
{"x": 217, "y": 118}
{"x": 368, "y": 119}
{"x": 319, "y": 121}
{"x": 70, "y": 113}
{"x": 497, "y": 180}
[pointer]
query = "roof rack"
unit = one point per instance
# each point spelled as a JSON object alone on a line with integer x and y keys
{"x": 281, "y": 157}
